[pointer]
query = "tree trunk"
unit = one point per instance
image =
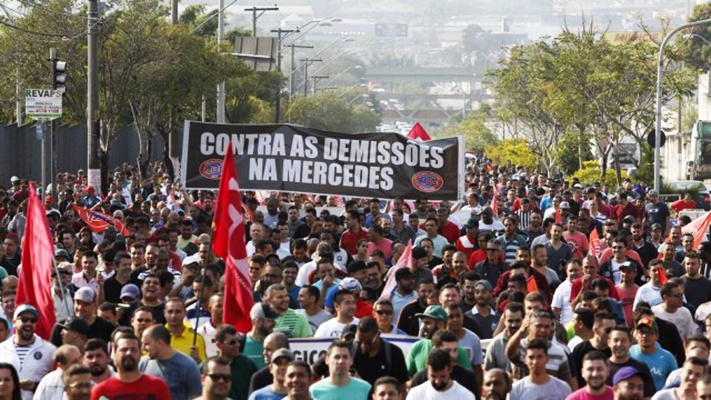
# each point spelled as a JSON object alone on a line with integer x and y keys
{"x": 618, "y": 171}
{"x": 603, "y": 166}
{"x": 104, "y": 165}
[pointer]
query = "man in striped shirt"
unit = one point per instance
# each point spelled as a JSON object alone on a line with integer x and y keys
{"x": 510, "y": 240}
{"x": 524, "y": 214}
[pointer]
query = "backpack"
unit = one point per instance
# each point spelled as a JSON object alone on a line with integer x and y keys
{"x": 388, "y": 352}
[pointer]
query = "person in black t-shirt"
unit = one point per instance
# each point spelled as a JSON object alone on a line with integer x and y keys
{"x": 620, "y": 341}
{"x": 85, "y": 306}
{"x": 374, "y": 357}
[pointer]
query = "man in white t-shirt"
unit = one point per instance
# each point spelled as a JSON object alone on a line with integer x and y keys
{"x": 561, "y": 298}
{"x": 345, "y": 303}
{"x": 673, "y": 310}
{"x": 440, "y": 384}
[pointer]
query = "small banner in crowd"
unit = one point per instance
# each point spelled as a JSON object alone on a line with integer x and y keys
{"x": 98, "y": 222}
{"x": 296, "y": 159}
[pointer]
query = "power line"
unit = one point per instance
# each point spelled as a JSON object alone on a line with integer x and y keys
{"x": 35, "y": 5}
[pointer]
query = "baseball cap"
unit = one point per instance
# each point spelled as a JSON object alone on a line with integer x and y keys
{"x": 262, "y": 311}
{"x": 435, "y": 312}
{"x": 483, "y": 284}
{"x": 623, "y": 374}
{"x": 61, "y": 253}
{"x": 76, "y": 324}
{"x": 652, "y": 193}
{"x": 418, "y": 252}
{"x": 25, "y": 308}
{"x": 14, "y": 179}
{"x": 471, "y": 223}
{"x": 131, "y": 291}
{"x": 350, "y": 284}
{"x": 90, "y": 189}
{"x": 626, "y": 265}
{"x": 564, "y": 205}
{"x": 282, "y": 353}
{"x": 85, "y": 294}
{"x": 48, "y": 199}
{"x": 349, "y": 331}
{"x": 629, "y": 218}
{"x": 656, "y": 226}
{"x": 648, "y": 322}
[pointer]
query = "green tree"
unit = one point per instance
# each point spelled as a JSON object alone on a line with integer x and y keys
{"x": 573, "y": 149}
{"x": 518, "y": 151}
{"x": 477, "y": 134}
{"x": 328, "y": 112}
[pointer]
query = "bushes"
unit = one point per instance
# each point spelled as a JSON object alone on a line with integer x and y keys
{"x": 591, "y": 174}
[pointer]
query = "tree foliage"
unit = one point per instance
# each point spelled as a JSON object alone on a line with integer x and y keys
{"x": 327, "y": 111}
{"x": 518, "y": 151}
{"x": 477, "y": 134}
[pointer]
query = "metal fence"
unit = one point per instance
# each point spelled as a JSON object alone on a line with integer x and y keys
{"x": 20, "y": 150}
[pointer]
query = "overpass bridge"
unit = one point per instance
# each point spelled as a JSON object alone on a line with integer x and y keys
{"x": 423, "y": 74}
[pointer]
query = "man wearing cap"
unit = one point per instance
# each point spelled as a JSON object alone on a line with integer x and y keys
{"x": 468, "y": 242}
{"x": 345, "y": 303}
{"x": 277, "y": 390}
{"x": 61, "y": 293}
{"x": 91, "y": 198}
{"x": 433, "y": 319}
{"x": 28, "y": 353}
{"x": 485, "y": 316}
{"x": 178, "y": 370}
{"x": 660, "y": 362}
{"x": 74, "y": 332}
{"x": 263, "y": 318}
{"x": 628, "y": 384}
{"x": 655, "y": 211}
{"x": 85, "y": 306}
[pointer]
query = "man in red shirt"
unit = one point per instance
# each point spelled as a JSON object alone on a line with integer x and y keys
{"x": 591, "y": 272}
{"x": 467, "y": 243}
{"x": 129, "y": 382}
{"x": 447, "y": 229}
{"x": 350, "y": 238}
{"x": 684, "y": 204}
{"x": 625, "y": 208}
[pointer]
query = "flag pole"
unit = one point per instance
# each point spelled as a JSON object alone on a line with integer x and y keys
{"x": 202, "y": 285}
{"x": 59, "y": 282}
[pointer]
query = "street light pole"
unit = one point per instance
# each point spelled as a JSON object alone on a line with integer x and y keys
{"x": 93, "y": 118}
{"x": 279, "y": 32}
{"x": 292, "y": 82}
{"x": 660, "y": 78}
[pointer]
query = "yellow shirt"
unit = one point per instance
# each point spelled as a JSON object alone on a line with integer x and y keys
{"x": 184, "y": 342}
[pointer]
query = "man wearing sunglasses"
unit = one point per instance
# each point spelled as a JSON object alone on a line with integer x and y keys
{"x": 673, "y": 310}
{"x": 27, "y": 352}
{"x": 216, "y": 379}
{"x": 374, "y": 357}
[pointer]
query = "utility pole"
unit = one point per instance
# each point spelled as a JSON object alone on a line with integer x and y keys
{"x": 255, "y": 17}
{"x": 221, "y": 85}
{"x": 277, "y": 116}
{"x": 93, "y": 118}
{"x": 173, "y": 149}
{"x": 292, "y": 82}
{"x": 317, "y": 78}
{"x": 306, "y": 62}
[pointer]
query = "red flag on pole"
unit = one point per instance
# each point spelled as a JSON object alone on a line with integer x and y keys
{"x": 662, "y": 275}
{"x": 35, "y": 280}
{"x": 595, "y": 243}
{"x": 405, "y": 261}
{"x": 418, "y": 133}
{"x": 531, "y": 284}
{"x": 228, "y": 242}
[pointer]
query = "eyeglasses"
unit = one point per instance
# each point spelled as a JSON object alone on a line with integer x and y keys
{"x": 383, "y": 312}
{"x": 29, "y": 320}
{"x": 230, "y": 342}
{"x": 220, "y": 377}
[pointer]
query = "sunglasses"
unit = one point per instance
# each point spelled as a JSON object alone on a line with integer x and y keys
{"x": 384, "y": 312}
{"x": 220, "y": 377}
{"x": 26, "y": 320}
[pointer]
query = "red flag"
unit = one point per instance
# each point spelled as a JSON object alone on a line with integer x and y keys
{"x": 494, "y": 201}
{"x": 405, "y": 261}
{"x": 531, "y": 284}
{"x": 35, "y": 283}
{"x": 418, "y": 133}
{"x": 698, "y": 227}
{"x": 662, "y": 275}
{"x": 558, "y": 217}
{"x": 229, "y": 244}
{"x": 595, "y": 243}
{"x": 98, "y": 222}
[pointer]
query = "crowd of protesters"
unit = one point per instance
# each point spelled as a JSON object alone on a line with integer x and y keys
{"x": 507, "y": 296}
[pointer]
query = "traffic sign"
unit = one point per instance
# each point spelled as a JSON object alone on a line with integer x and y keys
{"x": 43, "y": 104}
{"x": 651, "y": 138}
